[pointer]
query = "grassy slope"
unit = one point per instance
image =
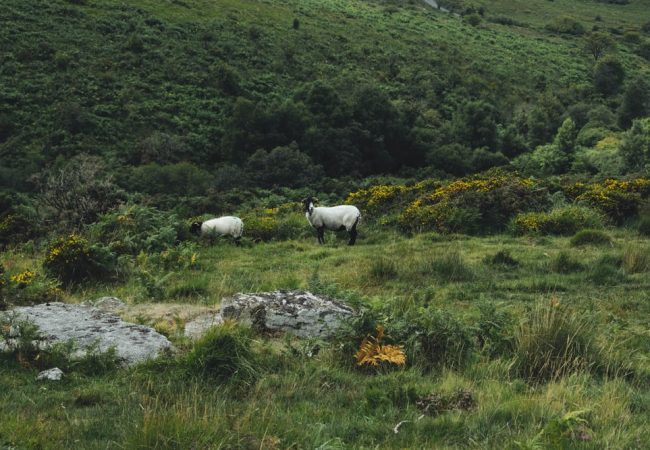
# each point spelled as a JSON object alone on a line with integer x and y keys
{"x": 130, "y": 70}
{"x": 150, "y": 407}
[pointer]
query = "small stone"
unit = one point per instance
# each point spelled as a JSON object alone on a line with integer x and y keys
{"x": 54, "y": 374}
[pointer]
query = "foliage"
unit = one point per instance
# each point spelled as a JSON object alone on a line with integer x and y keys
{"x": 450, "y": 267}
{"x": 222, "y": 354}
{"x": 495, "y": 330}
{"x": 563, "y": 220}
{"x": 598, "y": 43}
{"x": 383, "y": 269}
{"x": 566, "y": 25}
{"x": 134, "y": 228}
{"x": 73, "y": 259}
{"x": 79, "y": 192}
{"x": 609, "y": 74}
{"x": 483, "y": 203}
{"x": 441, "y": 340}
{"x": 590, "y": 237}
{"x": 372, "y": 353}
{"x": 617, "y": 199}
{"x": 635, "y": 147}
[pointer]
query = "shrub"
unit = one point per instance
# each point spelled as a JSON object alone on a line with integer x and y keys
{"x": 566, "y": 25}
{"x": 554, "y": 342}
{"x": 563, "y": 220}
{"x": 563, "y": 262}
{"x": 134, "y": 228}
{"x": 441, "y": 340}
{"x": 590, "y": 237}
{"x": 609, "y": 74}
{"x": 475, "y": 204}
{"x": 494, "y": 330}
{"x": 223, "y": 354}
{"x": 72, "y": 259}
{"x": 502, "y": 258}
{"x": 618, "y": 200}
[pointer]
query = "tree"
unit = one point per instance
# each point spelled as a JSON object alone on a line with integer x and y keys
{"x": 475, "y": 124}
{"x": 608, "y": 75}
{"x": 79, "y": 192}
{"x": 597, "y": 44}
{"x": 635, "y": 147}
{"x": 282, "y": 166}
{"x": 566, "y": 137}
{"x": 635, "y": 102}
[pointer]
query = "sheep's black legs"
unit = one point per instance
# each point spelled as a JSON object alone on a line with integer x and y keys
{"x": 321, "y": 235}
{"x": 238, "y": 241}
{"x": 353, "y": 235}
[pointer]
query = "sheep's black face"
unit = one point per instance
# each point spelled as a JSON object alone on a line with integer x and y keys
{"x": 308, "y": 204}
{"x": 195, "y": 228}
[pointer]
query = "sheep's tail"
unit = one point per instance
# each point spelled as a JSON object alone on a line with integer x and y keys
{"x": 241, "y": 228}
{"x": 356, "y": 222}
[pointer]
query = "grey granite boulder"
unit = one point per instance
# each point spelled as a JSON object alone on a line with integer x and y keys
{"x": 199, "y": 325}
{"x": 89, "y": 327}
{"x": 110, "y": 304}
{"x": 299, "y": 312}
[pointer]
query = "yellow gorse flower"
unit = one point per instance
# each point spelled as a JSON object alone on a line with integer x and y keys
{"x": 22, "y": 278}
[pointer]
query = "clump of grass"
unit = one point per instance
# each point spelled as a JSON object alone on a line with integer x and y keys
{"x": 590, "y": 237}
{"x": 450, "y": 267}
{"x": 501, "y": 259}
{"x": 564, "y": 263}
{"x": 555, "y": 342}
{"x": 636, "y": 259}
{"x": 383, "y": 269}
{"x": 223, "y": 353}
{"x": 607, "y": 271}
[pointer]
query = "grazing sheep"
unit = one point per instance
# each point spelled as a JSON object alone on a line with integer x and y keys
{"x": 336, "y": 218}
{"x": 221, "y": 226}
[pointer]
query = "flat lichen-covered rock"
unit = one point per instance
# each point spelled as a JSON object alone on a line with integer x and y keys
{"x": 89, "y": 327}
{"x": 299, "y": 312}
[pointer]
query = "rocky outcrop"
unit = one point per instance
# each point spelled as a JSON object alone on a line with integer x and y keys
{"x": 299, "y": 312}
{"x": 88, "y": 327}
{"x": 110, "y": 304}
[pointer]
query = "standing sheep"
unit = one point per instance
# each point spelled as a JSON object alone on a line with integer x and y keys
{"x": 336, "y": 218}
{"x": 221, "y": 226}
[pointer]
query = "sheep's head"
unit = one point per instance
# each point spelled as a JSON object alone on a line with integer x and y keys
{"x": 195, "y": 228}
{"x": 308, "y": 204}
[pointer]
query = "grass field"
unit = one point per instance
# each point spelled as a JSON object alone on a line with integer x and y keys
{"x": 300, "y": 401}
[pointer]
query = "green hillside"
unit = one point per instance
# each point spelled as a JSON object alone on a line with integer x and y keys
{"x": 362, "y": 88}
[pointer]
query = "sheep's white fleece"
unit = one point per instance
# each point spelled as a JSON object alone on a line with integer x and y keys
{"x": 333, "y": 217}
{"x": 226, "y": 225}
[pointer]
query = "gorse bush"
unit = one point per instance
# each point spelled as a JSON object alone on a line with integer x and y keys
{"x": 223, "y": 354}
{"x": 618, "y": 200}
{"x": 73, "y": 259}
{"x": 476, "y": 204}
{"x": 555, "y": 341}
{"x": 590, "y": 237}
{"x": 564, "y": 220}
